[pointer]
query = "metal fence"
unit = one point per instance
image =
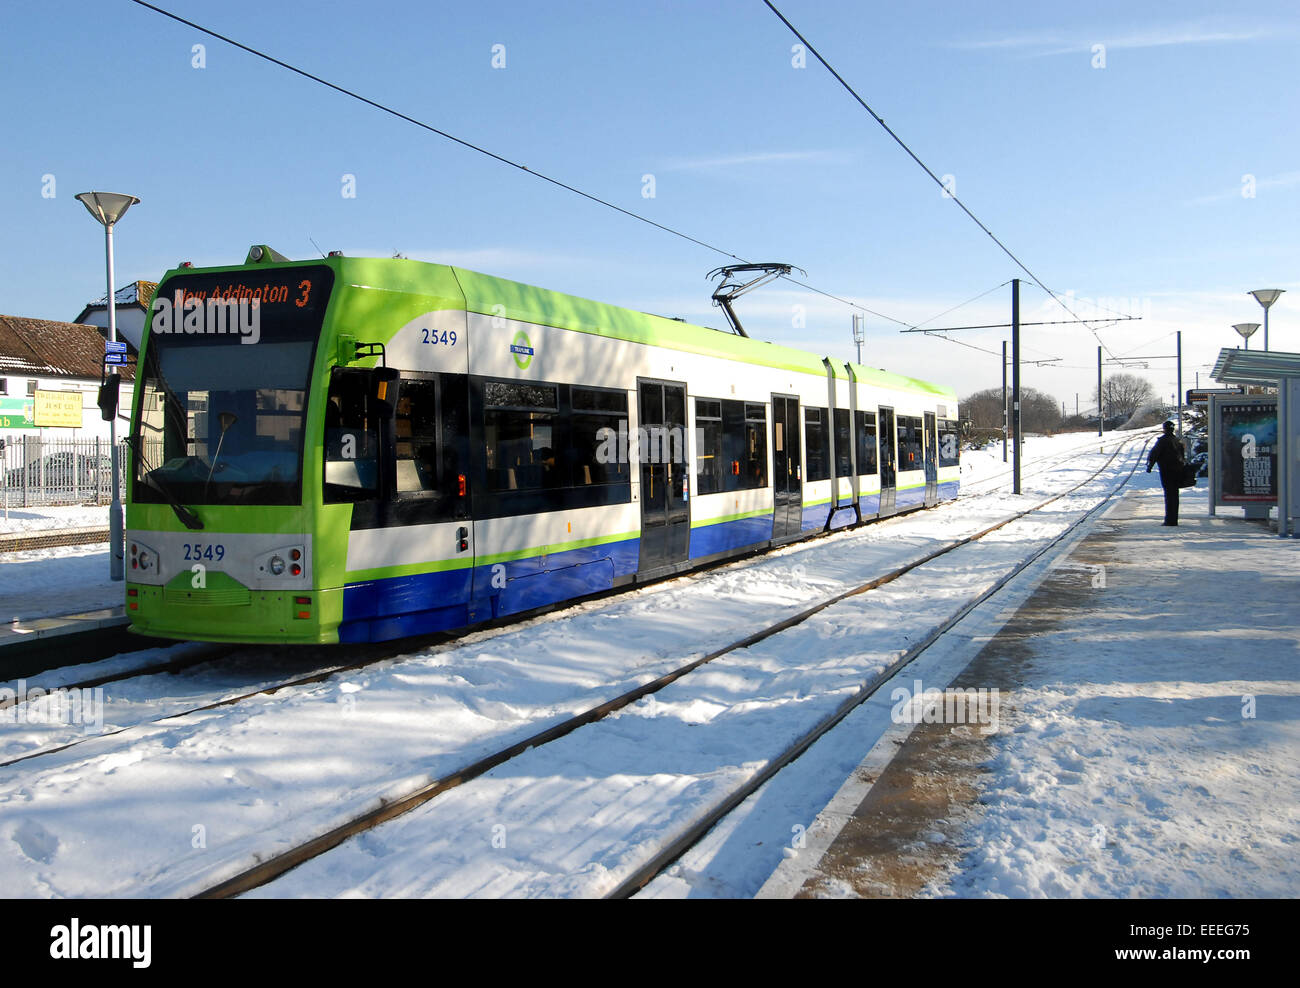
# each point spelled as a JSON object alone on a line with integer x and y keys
{"x": 38, "y": 472}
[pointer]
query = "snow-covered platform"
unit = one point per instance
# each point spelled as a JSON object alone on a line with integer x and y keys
{"x": 48, "y": 594}
{"x": 1144, "y": 745}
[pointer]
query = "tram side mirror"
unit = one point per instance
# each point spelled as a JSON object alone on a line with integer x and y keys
{"x": 108, "y": 392}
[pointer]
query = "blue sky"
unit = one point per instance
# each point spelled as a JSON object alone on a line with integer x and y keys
{"x": 1122, "y": 184}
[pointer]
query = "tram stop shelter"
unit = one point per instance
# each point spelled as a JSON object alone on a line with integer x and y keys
{"x": 1255, "y": 439}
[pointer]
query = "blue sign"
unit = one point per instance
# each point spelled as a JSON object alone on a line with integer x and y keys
{"x": 118, "y": 359}
{"x": 114, "y": 347}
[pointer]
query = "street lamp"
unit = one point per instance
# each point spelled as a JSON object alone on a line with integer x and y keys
{"x": 108, "y": 208}
{"x": 1266, "y": 297}
{"x": 1246, "y": 329}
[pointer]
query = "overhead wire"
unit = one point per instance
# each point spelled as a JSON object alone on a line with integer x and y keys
{"x": 962, "y": 304}
{"x": 489, "y": 153}
{"x": 926, "y": 168}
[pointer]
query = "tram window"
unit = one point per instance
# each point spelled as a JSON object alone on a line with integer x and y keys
{"x": 519, "y": 425}
{"x": 866, "y": 438}
{"x": 599, "y": 417}
{"x": 910, "y": 447}
{"x": 843, "y": 449}
{"x": 708, "y": 451}
{"x": 351, "y": 437}
{"x": 430, "y": 446}
{"x": 546, "y": 447}
{"x": 416, "y": 436}
{"x": 949, "y": 443}
{"x": 817, "y": 443}
{"x": 744, "y": 445}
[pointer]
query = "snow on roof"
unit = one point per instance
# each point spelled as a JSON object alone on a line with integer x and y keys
{"x": 136, "y": 293}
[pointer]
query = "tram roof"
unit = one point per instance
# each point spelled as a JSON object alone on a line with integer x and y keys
{"x": 484, "y": 294}
{"x": 545, "y": 307}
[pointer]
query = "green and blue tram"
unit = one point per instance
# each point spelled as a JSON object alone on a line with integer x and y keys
{"x": 354, "y": 449}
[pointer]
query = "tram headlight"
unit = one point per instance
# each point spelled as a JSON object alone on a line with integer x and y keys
{"x": 285, "y": 560}
{"x": 144, "y": 560}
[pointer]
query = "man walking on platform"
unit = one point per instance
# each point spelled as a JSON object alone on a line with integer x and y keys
{"x": 1168, "y": 453}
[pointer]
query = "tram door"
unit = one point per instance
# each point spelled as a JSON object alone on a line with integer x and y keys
{"x": 665, "y": 510}
{"x": 888, "y": 460}
{"x": 931, "y": 460}
{"x": 787, "y": 469}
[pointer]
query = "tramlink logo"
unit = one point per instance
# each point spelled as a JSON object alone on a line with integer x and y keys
{"x": 233, "y": 312}
{"x": 522, "y": 348}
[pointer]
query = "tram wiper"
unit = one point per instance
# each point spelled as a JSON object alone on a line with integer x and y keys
{"x": 187, "y": 516}
{"x": 227, "y": 419}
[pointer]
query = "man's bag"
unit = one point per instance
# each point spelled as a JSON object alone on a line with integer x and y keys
{"x": 1189, "y": 476}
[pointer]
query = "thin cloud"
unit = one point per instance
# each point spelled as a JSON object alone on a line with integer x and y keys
{"x": 1042, "y": 44}
{"x": 751, "y": 158}
{"x": 1283, "y": 181}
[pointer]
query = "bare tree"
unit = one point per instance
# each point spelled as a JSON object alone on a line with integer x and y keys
{"x": 1039, "y": 412}
{"x": 1123, "y": 394}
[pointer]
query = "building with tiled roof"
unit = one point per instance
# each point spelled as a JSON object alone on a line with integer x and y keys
{"x": 45, "y": 355}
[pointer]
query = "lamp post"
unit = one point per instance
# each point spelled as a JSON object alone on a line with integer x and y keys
{"x": 1266, "y": 297}
{"x": 108, "y": 208}
{"x": 860, "y": 332}
{"x": 1247, "y": 330}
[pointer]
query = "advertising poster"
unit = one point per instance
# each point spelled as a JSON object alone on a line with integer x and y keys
{"x": 16, "y": 413}
{"x": 1248, "y": 464}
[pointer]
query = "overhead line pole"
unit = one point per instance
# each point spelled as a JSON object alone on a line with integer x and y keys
{"x": 1101, "y": 416}
{"x": 1006, "y": 412}
{"x": 1015, "y": 380}
{"x": 1179, "y": 396}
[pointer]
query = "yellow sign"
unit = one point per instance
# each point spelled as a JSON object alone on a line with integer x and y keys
{"x": 58, "y": 409}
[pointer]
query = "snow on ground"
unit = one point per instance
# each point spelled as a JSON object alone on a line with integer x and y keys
{"x": 1153, "y": 747}
{"x": 45, "y": 518}
{"x": 256, "y": 777}
{"x": 66, "y": 579}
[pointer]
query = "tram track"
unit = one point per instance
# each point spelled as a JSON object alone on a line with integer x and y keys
{"x": 1004, "y": 478}
{"x": 273, "y": 866}
{"x": 383, "y": 651}
{"x": 683, "y": 843}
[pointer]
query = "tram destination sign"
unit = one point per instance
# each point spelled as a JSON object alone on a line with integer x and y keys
{"x": 245, "y": 305}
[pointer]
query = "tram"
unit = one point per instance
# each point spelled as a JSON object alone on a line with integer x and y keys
{"x": 353, "y": 449}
